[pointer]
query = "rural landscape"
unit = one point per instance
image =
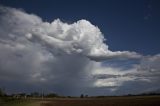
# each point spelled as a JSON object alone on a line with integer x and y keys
{"x": 79, "y": 52}
{"x": 35, "y": 99}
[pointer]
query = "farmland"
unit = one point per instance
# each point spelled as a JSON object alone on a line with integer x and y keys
{"x": 107, "y": 101}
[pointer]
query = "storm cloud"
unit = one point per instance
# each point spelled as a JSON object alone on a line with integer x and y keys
{"x": 66, "y": 58}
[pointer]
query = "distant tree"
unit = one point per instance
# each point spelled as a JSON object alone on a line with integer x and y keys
{"x": 86, "y": 96}
{"x": 35, "y": 94}
{"x": 22, "y": 94}
{"x": 129, "y": 95}
{"x": 52, "y": 95}
{"x": 68, "y": 96}
{"x": 82, "y": 96}
{"x": 2, "y": 93}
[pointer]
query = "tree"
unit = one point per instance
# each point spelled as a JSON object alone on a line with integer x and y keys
{"x": 2, "y": 93}
{"x": 35, "y": 94}
{"x": 82, "y": 96}
{"x": 52, "y": 95}
{"x": 86, "y": 96}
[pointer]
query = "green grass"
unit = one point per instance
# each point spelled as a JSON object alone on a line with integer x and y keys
{"x": 18, "y": 102}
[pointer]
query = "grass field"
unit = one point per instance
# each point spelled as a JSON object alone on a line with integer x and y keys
{"x": 108, "y": 101}
{"x": 19, "y": 102}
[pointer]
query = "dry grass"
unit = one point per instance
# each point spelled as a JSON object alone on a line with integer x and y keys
{"x": 109, "y": 101}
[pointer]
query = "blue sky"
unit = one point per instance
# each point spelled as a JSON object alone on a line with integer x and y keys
{"x": 59, "y": 46}
{"x": 127, "y": 24}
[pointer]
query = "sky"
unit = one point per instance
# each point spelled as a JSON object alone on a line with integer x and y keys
{"x": 100, "y": 47}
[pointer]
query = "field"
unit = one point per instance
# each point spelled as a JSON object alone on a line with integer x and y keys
{"x": 108, "y": 101}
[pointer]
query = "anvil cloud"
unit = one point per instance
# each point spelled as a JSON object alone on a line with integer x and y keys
{"x": 66, "y": 58}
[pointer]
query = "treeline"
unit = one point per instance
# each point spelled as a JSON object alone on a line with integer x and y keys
{"x": 55, "y": 95}
{"x": 25, "y": 95}
{"x": 37, "y": 95}
{"x": 2, "y": 93}
{"x": 34, "y": 95}
{"x": 142, "y": 94}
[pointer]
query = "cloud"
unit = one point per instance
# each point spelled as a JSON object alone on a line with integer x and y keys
{"x": 80, "y": 37}
{"x": 66, "y": 58}
{"x": 142, "y": 75}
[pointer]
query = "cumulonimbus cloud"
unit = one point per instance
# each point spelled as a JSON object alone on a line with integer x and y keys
{"x": 80, "y": 37}
{"x": 45, "y": 53}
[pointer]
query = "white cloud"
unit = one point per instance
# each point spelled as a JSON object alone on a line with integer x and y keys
{"x": 59, "y": 55}
{"x": 147, "y": 71}
{"x": 80, "y": 37}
